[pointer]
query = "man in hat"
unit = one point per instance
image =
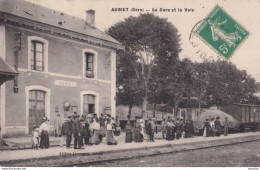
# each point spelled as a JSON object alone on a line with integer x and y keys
{"x": 66, "y": 130}
{"x": 75, "y": 130}
{"x": 149, "y": 130}
{"x": 217, "y": 126}
{"x": 187, "y": 129}
{"x": 226, "y": 126}
{"x": 182, "y": 122}
{"x": 82, "y": 133}
{"x": 44, "y": 132}
{"x": 57, "y": 125}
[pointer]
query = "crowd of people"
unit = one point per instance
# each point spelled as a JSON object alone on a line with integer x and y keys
{"x": 212, "y": 127}
{"x": 170, "y": 130}
{"x": 91, "y": 130}
{"x": 84, "y": 130}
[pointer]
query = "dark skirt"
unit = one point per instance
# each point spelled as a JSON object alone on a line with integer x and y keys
{"x": 45, "y": 142}
{"x": 138, "y": 136}
{"x": 128, "y": 136}
{"x": 170, "y": 134}
{"x": 117, "y": 132}
{"x": 218, "y": 130}
{"x": 178, "y": 134}
{"x": 103, "y": 131}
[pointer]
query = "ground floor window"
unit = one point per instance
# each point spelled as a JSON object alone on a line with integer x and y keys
{"x": 36, "y": 108}
{"x": 88, "y": 104}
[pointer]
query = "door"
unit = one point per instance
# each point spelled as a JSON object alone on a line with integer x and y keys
{"x": 36, "y": 108}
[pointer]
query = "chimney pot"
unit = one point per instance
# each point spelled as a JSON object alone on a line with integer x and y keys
{"x": 90, "y": 16}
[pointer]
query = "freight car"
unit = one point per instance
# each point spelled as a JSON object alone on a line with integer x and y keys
{"x": 247, "y": 115}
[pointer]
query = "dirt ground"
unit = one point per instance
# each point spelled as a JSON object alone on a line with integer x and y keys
{"x": 240, "y": 155}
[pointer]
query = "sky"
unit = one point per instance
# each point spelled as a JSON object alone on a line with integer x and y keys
{"x": 246, "y": 12}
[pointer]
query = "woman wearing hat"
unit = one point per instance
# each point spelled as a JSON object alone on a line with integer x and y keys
{"x": 169, "y": 130}
{"x": 137, "y": 131}
{"x": 109, "y": 135}
{"x": 95, "y": 131}
{"x": 128, "y": 136}
{"x": 117, "y": 127}
{"x": 206, "y": 128}
{"x": 44, "y": 131}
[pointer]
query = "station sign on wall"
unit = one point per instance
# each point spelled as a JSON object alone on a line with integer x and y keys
{"x": 65, "y": 83}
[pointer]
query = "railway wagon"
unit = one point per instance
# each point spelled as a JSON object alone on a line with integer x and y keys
{"x": 247, "y": 115}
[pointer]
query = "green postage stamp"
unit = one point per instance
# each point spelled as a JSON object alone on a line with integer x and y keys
{"x": 222, "y": 32}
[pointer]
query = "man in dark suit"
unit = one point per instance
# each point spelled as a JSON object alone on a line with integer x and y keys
{"x": 149, "y": 130}
{"x": 217, "y": 126}
{"x": 66, "y": 131}
{"x": 75, "y": 130}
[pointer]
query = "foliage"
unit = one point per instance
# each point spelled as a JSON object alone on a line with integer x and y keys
{"x": 150, "y": 42}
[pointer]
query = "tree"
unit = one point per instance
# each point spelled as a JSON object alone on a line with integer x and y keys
{"x": 149, "y": 42}
{"x": 200, "y": 81}
{"x": 127, "y": 86}
{"x": 178, "y": 82}
{"x": 228, "y": 84}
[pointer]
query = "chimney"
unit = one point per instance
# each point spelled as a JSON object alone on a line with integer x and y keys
{"x": 90, "y": 16}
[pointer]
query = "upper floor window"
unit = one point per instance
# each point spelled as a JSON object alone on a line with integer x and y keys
{"x": 89, "y": 65}
{"x": 38, "y": 54}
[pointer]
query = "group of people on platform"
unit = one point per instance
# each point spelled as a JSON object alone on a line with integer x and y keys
{"x": 84, "y": 130}
{"x": 212, "y": 127}
{"x": 170, "y": 130}
{"x": 91, "y": 130}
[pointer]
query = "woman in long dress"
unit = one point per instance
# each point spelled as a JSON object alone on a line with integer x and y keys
{"x": 117, "y": 127}
{"x": 128, "y": 136}
{"x": 212, "y": 126}
{"x": 95, "y": 131}
{"x": 44, "y": 131}
{"x": 137, "y": 132}
{"x": 169, "y": 126}
{"x": 142, "y": 134}
{"x": 102, "y": 126}
{"x": 109, "y": 135}
{"x": 206, "y": 128}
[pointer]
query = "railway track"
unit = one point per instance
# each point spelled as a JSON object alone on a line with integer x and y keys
{"x": 159, "y": 151}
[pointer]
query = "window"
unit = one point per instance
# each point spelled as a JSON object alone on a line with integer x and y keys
{"x": 89, "y": 65}
{"x": 88, "y": 104}
{"x": 37, "y": 56}
{"x": 36, "y": 108}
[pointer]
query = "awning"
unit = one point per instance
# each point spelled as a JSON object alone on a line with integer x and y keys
{"x": 6, "y": 72}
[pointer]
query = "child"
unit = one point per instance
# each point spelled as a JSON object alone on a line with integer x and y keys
{"x": 35, "y": 137}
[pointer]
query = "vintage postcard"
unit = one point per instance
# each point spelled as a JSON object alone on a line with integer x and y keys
{"x": 129, "y": 83}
